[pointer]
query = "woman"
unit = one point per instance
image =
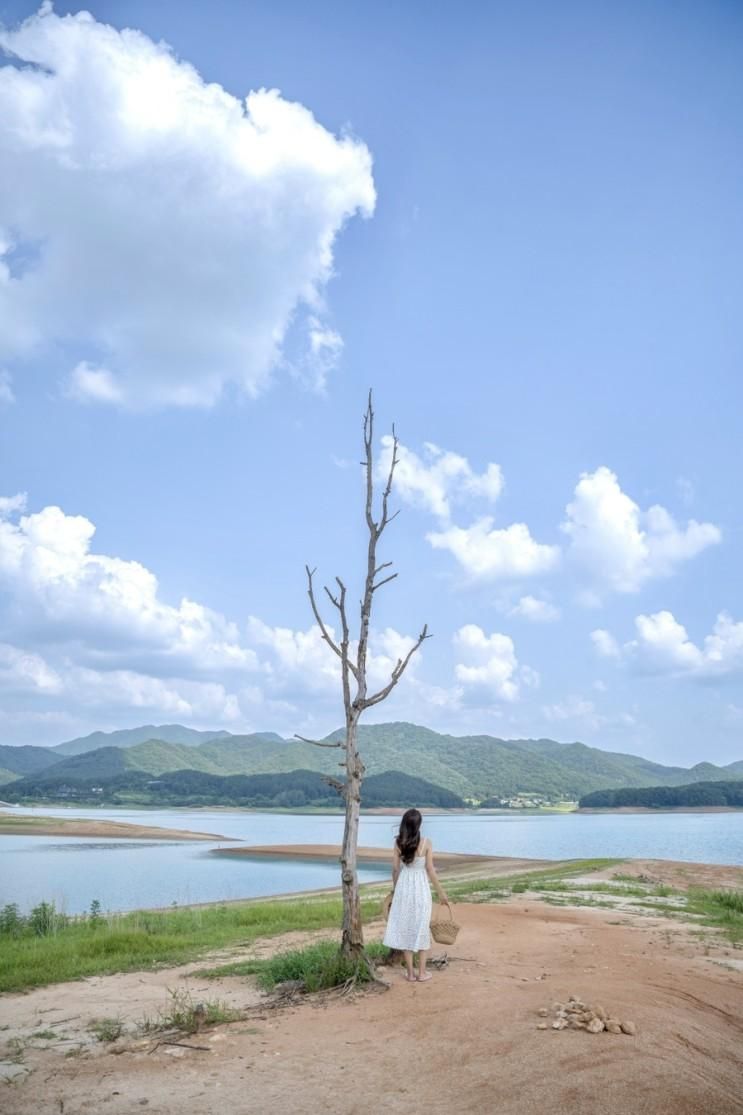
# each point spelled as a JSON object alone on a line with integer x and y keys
{"x": 409, "y": 921}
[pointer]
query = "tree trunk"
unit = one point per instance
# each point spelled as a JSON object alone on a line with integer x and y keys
{"x": 352, "y": 941}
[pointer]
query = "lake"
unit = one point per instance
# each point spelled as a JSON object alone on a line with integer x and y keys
{"x": 126, "y": 874}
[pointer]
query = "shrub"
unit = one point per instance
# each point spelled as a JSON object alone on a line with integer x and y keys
{"x": 45, "y": 920}
{"x": 319, "y": 967}
{"x": 12, "y": 922}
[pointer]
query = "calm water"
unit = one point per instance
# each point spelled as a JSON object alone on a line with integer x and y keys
{"x": 125, "y": 874}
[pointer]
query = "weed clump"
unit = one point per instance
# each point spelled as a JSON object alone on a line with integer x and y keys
{"x": 318, "y": 967}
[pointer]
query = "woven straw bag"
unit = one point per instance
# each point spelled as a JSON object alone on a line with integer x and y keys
{"x": 444, "y": 929}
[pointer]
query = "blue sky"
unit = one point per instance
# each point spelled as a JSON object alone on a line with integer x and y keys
{"x": 521, "y": 224}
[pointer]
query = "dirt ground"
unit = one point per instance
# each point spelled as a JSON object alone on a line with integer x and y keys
{"x": 467, "y": 1041}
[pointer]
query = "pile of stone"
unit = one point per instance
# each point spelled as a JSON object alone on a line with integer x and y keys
{"x": 577, "y": 1015}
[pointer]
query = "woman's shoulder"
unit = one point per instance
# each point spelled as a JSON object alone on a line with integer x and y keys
{"x": 426, "y": 845}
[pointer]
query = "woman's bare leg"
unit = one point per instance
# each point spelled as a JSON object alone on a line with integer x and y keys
{"x": 422, "y": 960}
{"x": 409, "y": 964}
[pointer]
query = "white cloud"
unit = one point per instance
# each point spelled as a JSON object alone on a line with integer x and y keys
{"x": 296, "y": 662}
{"x": 534, "y": 609}
{"x": 662, "y": 645}
{"x": 299, "y": 662}
{"x": 106, "y": 644}
{"x": 575, "y": 708}
{"x": 93, "y": 385}
{"x": 6, "y": 389}
{"x": 24, "y": 670}
{"x": 622, "y": 546}
{"x": 323, "y": 355}
{"x": 605, "y": 643}
{"x": 108, "y": 607}
{"x": 202, "y": 702}
{"x": 173, "y": 230}
{"x": 486, "y": 553}
{"x": 11, "y": 504}
{"x": 490, "y": 663}
{"x": 439, "y": 479}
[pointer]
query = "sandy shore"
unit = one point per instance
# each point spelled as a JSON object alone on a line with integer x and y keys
{"x": 17, "y": 824}
{"x": 465, "y": 1042}
{"x": 364, "y": 855}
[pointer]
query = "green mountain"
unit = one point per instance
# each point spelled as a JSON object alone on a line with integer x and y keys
{"x": 130, "y": 737}
{"x": 26, "y": 759}
{"x": 476, "y": 767}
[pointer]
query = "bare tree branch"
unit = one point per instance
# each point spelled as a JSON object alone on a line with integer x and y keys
{"x": 316, "y": 612}
{"x": 386, "y": 518}
{"x": 399, "y": 670}
{"x": 317, "y": 742}
{"x": 369, "y": 456}
{"x": 336, "y": 785}
{"x": 333, "y": 599}
{"x": 384, "y": 582}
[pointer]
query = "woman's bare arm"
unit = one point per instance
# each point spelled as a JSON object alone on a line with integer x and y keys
{"x": 431, "y": 871}
{"x": 395, "y": 865}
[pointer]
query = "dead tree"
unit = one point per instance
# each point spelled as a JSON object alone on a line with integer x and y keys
{"x": 353, "y": 662}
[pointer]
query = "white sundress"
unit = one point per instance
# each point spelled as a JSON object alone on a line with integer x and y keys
{"x": 409, "y": 921}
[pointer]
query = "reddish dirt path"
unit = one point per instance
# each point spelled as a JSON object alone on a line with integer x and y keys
{"x": 465, "y": 1042}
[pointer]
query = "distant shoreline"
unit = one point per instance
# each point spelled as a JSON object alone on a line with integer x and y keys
{"x": 25, "y": 825}
{"x": 668, "y": 809}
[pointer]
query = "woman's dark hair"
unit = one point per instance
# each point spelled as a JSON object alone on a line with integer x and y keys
{"x": 409, "y": 836}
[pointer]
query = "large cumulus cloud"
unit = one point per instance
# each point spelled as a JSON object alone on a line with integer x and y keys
{"x": 159, "y": 229}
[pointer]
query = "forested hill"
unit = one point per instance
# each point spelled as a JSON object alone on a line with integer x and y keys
{"x": 472, "y": 767}
{"x": 191, "y": 787}
{"x": 695, "y": 795}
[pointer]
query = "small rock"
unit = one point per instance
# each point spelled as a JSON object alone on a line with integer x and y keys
{"x": 595, "y": 1026}
{"x": 628, "y": 1028}
{"x": 576, "y": 1024}
{"x": 600, "y": 1013}
{"x": 559, "y": 1024}
{"x": 542, "y": 1026}
{"x": 542, "y": 1012}
{"x": 613, "y": 1026}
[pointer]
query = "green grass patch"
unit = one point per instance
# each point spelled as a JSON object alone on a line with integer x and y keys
{"x": 107, "y": 1029}
{"x": 144, "y": 940}
{"x": 189, "y": 1016}
{"x": 722, "y": 909}
{"x": 319, "y": 967}
{"x": 492, "y": 889}
{"x": 45, "y": 1035}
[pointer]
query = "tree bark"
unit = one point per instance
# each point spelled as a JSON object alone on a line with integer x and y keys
{"x": 352, "y": 940}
